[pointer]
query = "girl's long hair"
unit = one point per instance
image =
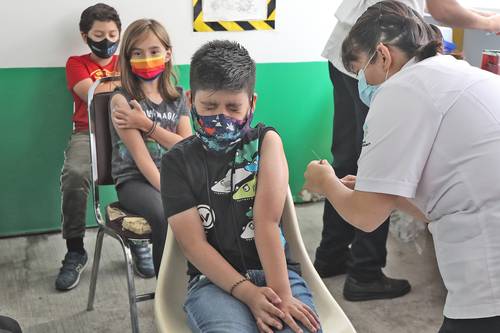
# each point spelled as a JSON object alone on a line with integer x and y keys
{"x": 168, "y": 79}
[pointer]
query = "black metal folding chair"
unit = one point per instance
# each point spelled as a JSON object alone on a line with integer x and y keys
{"x": 100, "y": 149}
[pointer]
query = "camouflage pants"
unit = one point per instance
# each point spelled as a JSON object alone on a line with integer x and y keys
{"x": 75, "y": 184}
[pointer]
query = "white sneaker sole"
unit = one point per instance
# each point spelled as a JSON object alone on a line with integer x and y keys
{"x": 78, "y": 278}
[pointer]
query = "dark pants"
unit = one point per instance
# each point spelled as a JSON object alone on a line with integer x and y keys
{"x": 141, "y": 198}
{"x": 367, "y": 254}
{"x": 479, "y": 325}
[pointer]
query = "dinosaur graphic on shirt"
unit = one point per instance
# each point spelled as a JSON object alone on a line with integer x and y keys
{"x": 154, "y": 148}
{"x": 248, "y": 233}
{"x": 247, "y": 152}
{"x": 253, "y": 166}
{"x": 224, "y": 185}
{"x": 246, "y": 191}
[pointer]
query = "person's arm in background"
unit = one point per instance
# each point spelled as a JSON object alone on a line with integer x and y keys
{"x": 134, "y": 142}
{"x": 79, "y": 80}
{"x": 82, "y": 88}
{"x": 451, "y": 13}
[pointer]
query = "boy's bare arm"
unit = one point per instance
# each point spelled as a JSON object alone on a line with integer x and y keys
{"x": 268, "y": 208}
{"x": 82, "y": 88}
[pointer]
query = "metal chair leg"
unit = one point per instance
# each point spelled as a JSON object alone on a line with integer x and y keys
{"x": 95, "y": 269}
{"x": 131, "y": 288}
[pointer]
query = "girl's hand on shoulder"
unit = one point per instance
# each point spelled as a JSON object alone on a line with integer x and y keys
{"x": 296, "y": 310}
{"x": 130, "y": 117}
{"x": 262, "y": 302}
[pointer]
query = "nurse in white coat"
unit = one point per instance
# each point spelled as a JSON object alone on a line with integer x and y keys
{"x": 436, "y": 121}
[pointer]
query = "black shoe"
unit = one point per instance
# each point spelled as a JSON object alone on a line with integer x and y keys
{"x": 143, "y": 260}
{"x": 326, "y": 271}
{"x": 379, "y": 289}
{"x": 72, "y": 267}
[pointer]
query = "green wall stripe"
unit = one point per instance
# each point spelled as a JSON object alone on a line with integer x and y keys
{"x": 295, "y": 98}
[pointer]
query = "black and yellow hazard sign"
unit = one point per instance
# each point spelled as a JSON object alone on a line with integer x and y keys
{"x": 203, "y": 26}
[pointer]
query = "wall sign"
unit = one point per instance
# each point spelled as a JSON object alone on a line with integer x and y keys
{"x": 233, "y": 15}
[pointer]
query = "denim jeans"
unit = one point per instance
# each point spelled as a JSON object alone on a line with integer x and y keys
{"x": 212, "y": 310}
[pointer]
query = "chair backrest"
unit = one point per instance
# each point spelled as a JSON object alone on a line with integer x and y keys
{"x": 332, "y": 317}
{"x": 100, "y": 136}
{"x": 172, "y": 282}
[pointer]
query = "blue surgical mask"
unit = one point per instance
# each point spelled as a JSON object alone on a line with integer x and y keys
{"x": 367, "y": 91}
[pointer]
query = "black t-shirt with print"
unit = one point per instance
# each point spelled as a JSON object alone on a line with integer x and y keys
{"x": 194, "y": 177}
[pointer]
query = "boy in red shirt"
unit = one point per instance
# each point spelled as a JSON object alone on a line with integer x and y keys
{"x": 100, "y": 27}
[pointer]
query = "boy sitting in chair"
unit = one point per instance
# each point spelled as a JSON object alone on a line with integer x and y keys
{"x": 223, "y": 192}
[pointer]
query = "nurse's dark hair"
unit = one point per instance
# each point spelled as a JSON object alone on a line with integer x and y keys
{"x": 222, "y": 65}
{"x": 391, "y": 23}
{"x": 99, "y": 12}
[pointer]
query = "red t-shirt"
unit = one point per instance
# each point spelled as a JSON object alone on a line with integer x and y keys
{"x": 79, "y": 68}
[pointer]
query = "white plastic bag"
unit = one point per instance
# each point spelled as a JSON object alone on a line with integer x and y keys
{"x": 407, "y": 229}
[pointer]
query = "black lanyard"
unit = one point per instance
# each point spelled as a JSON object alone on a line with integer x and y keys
{"x": 233, "y": 215}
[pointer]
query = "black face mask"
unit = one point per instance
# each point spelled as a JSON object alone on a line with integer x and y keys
{"x": 103, "y": 49}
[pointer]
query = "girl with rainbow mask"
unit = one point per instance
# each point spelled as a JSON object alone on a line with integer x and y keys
{"x": 149, "y": 115}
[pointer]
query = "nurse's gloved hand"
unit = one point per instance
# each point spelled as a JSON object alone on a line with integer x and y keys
{"x": 319, "y": 176}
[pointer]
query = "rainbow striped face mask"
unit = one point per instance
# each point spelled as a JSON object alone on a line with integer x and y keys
{"x": 148, "y": 69}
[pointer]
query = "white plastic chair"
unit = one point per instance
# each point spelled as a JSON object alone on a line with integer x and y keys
{"x": 172, "y": 283}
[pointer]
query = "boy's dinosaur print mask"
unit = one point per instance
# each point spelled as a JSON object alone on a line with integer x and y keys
{"x": 219, "y": 132}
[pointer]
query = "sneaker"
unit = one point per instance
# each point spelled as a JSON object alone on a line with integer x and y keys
{"x": 143, "y": 260}
{"x": 383, "y": 288}
{"x": 72, "y": 267}
{"x": 326, "y": 271}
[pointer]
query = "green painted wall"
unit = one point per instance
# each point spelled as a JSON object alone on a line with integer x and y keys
{"x": 36, "y": 108}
